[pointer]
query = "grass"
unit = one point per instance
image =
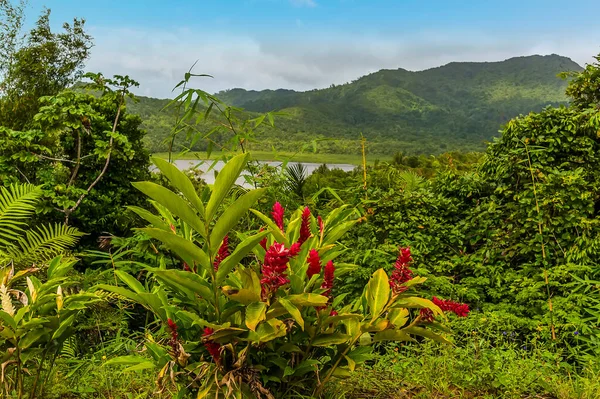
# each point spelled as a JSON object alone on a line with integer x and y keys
{"x": 473, "y": 371}
{"x": 352, "y": 159}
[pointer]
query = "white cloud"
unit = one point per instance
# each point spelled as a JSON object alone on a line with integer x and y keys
{"x": 303, "y": 3}
{"x": 158, "y": 59}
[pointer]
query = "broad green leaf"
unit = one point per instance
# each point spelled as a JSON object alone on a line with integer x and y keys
{"x": 338, "y": 231}
{"x": 126, "y": 360}
{"x": 224, "y": 335}
{"x": 120, "y": 291}
{"x": 62, "y": 328}
{"x": 392, "y": 335}
{"x": 308, "y": 299}
{"x": 186, "y": 281}
{"x": 32, "y": 337}
{"x": 427, "y": 334}
{"x": 398, "y": 317}
{"x": 141, "y": 366}
{"x": 269, "y": 331}
{"x": 255, "y": 313}
{"x": 180, "y": 181}
{"x": 231, "y": 216}
{"x": 377, "y": 293}
{"x": 8, "y": 320}
{"x": 186, "y": 249}
{"x": 223, "y": 183}
{"x": 293, "y": 311}
{"x": 174, "y": 203}
{"x": 131, "y": 281}
{"x": 331, "y": 339}
{"x": 150, "y": 218}
{"x": 244, "y": 296}
{"x": 279, "y": 236}
{"x": 416, "y": 302}
{"x": 341, "y": 372}
{"x": 240, "y": 252}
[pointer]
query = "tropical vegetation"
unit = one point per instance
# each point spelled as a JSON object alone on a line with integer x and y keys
{"x": 460, "y": 274}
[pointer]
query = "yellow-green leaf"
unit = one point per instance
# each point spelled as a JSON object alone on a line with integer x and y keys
{"x": 255, "y": 313}
{"x": 377, "y": 293}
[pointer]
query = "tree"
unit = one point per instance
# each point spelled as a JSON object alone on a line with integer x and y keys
{"x": 43, "y": 64}
{"x": 84, "y": 152}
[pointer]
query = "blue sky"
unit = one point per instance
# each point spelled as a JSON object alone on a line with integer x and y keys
{"x": 304, "y": 44}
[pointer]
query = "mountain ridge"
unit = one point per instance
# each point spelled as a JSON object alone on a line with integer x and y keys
{"x": 456, "y": 106}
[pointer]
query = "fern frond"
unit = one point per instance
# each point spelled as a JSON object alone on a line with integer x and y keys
{"x": 41, "y": 245}
{"x": 17, "y": 204}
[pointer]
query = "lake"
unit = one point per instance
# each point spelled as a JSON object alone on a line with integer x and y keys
{"x": 209, "y": 177}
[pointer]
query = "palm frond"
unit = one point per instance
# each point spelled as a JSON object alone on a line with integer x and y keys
{"x": 17, "y": 204}
{"x": 42, "y": 244}
{"x": 296, "y": 175}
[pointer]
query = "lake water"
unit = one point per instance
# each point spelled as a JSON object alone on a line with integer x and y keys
{"x": 209, "y": 176}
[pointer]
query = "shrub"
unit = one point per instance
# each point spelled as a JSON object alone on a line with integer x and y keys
{"x": 262, "y": 320}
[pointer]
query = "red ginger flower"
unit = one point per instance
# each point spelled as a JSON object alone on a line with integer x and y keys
{"x": 277, "y": 215}
{"x": 446, "y": 305}
{"x": 321, "y": 225}
{"x": 328, "y": 276}
{"x": 212, "y": 347}
{"x": 222, "y": 253}
{"x": 305, "y": 226}
{"x": 294, "y": 249}
{"x": 402, "y": 272}
{"x": 263, "y": 242}
{"x": 174, "y": 341}
{"x": 314, "y": 263}
{"x": 275, "y": 267}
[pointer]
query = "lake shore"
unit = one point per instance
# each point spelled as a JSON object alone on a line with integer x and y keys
{"x": 353, "y": 159}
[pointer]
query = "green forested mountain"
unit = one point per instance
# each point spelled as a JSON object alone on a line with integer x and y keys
{"x": 458, "y": 106}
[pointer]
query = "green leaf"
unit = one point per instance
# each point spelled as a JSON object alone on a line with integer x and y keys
{"x": 231, "y": 216}
{"x": 187, "y": 250}
{"x": 293, "y": 311}
{"x": 243, "y": 249}
{"x": 121, "y": 291}
{"x": 331, "y": 339}
{"x": 223, "y": 183}
{"x": 8, "y": 320}
{"x": 255, "y": 313}
{"x": 174, "y": 203}
{"x": 186, "y": 281}
{"x": 338, "y": 231}
{"x": 244, "y": 296}
{"x": 427, "y": 334}
{"x": 126, "y": 360}
{"x": 141, "y": 366}
{"x": 179, "y": 180}
{"x": 62, "y": 328}
{"x": 398, "y": 317}
{"x": 279, "y": 236}
{"x": 307, "y": 299}
{"x": 32, "y": 337}
{"x": 392, "y": 335}
{"x": 150, "y": 218}
{"x": 377, "y": 293}
{"x": 131, "y": 281}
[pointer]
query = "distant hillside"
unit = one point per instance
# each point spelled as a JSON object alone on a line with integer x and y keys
{"x": 457, "y": 106}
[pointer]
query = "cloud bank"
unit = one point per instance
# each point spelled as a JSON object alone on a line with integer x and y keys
{"x": 158, "y": 59}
